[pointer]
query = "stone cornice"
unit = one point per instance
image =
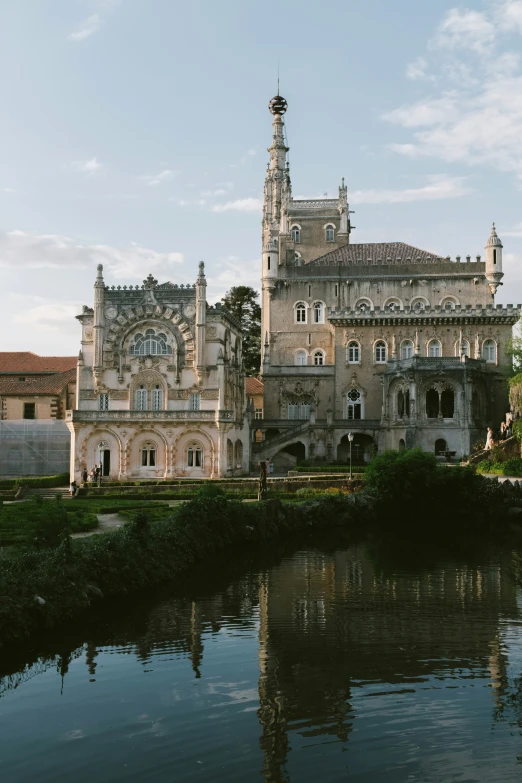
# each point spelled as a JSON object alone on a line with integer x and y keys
{"x": 461, "y": 315}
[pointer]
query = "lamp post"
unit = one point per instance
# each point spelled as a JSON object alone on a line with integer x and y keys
{"x": 350, "y": 439}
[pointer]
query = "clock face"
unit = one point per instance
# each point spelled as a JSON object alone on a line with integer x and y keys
{"x": 111, "y": 312}
{"x": 189, "y": 310}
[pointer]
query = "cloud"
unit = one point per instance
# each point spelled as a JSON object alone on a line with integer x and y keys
{"x": 465, "y": 30}
{"x": 156, "y": 179}
{"x": 19, "y": 249}
{"x": 50, "y": 317}
{"x": 232, "y": 271}
{"x": 509, "y": 15}
{"x": 427, "y": 112}
{"x": 439, "y": 187}
{"x": 417, "y": 69}
{"x": 516, "y": 231}
{"x": 90, "y": 166}
{"x": 478, "y": 121}
{"x": 240, "y": 205}
{"x": 87, "y": 28}
{"x": 8, "y": 190}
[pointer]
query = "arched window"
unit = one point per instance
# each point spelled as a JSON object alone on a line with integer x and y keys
{"x": 354, "y": 404}
{"x": 148, "y": 455}
{"x": 296, "y": 234}
{"x": 363, "y": 306}
{"x": 418, "y": 306}
{"x": 298, "y": 258}
{"x": 354, "y": 352}
{"x": 434, "y": 348}
{"x": 432, "y": 404}
{"x": 402, "y": 444}
{"x": 298, "y": 410}
{"x": 157, "y": 398}
{"x": 406, "y": 349}
{"x": 318, "y": 310}
{"x": 489, "y": 351}
{"x": 150, "y": 344}
{"x": 403, "y": 403}
{"x": 330, "y": 233}
{"x": 462, "y": 348}
{"x": 300, "y": 313}
{"x": 301, "y": 358}
{"x": 194, "y": 456}
{"x": 447, "y": 403}
{"x": 380, "y": 352}
{"x": 318, "y": 358}
{"x": 441, "y": 446}
{"x": 141, "y": 398}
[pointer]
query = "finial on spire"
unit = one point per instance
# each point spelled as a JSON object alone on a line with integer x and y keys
{"x": 277, "y": 105}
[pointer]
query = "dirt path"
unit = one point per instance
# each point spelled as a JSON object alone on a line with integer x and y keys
{"x": 106, "y": 522}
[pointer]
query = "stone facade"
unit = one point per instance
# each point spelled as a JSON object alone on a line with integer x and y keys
{"x": 398, "y": 345}
{"x": 160, "y": 389}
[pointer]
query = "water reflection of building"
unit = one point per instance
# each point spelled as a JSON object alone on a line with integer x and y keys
{"x": 330, "y": 624}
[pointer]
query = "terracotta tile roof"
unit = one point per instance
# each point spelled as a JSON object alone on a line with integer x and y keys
{"x": 27, "y": 361}
{"x": 44, "y": 384}
{"x": 377, "y": 252}
{"x": 253, "y": 386}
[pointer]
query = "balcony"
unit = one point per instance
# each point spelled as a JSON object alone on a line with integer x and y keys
{"x": 115, "y": 416}
{"x": 303, "y": 370}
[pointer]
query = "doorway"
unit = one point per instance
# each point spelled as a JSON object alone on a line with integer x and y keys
{"x": 106, "y": 462}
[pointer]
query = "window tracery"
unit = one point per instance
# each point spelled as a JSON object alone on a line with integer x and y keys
{"x": 150, "y": 344}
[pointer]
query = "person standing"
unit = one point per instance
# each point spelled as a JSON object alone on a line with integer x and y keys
{"x": 503, "y": 430}
{"x": 489, "y": 440}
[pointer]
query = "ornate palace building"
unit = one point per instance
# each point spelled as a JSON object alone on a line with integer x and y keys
{"x": 160, "y": 389}
{"x": 398, "y": 345}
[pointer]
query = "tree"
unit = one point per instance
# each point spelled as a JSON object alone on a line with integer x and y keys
{"x": 241, "y": 303}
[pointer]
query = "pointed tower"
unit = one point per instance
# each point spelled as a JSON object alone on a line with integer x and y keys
{"x": 99, "y": 322}
{"x": 277, "y": 196}
{"x": 494, "y": 273}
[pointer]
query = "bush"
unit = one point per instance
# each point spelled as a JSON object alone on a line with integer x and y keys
{"x": 38, "y": 482}
{"x": 42, "y": 523}
{"x": 412, "y": 486}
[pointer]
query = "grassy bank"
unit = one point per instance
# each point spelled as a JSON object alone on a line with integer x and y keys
{"x": 39, "y": 589}
{"x": 404, "y": 493}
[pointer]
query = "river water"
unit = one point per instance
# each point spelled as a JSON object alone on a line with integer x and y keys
{"x": 362, "y": 663}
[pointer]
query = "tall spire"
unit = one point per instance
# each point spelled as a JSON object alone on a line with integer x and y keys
{"x": 277, "y": 182}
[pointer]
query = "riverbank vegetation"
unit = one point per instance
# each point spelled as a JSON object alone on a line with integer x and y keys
{"x": 408, "y": 492}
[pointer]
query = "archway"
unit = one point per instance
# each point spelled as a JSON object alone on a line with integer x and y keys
{"x": 441, "y": 446}
{"x": 363, "y": 448}
{"x": 287, "y": 458}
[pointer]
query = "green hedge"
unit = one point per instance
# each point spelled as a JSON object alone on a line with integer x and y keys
{"x": 38, "y": 482}
{"x": 42, "y": 523}
{"x": 511, "y": 467}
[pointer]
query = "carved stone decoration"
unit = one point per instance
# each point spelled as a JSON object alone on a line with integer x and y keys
{"x": 119, "y": 394}
{"x": 88, "y": 335}
{"x": 111, "y": 312}
{"x": 189, "y": 310}
{"x": 178, "y": 394}
{"x": 211, "y": 331}
{"x": 87, "y": 394}
{"x": 210, "y": 394}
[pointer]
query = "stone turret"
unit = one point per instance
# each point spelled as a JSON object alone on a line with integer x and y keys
{"x": 201, "y": 317}
{"x": 494, "y": 273}
{"x": 99, "y": 320}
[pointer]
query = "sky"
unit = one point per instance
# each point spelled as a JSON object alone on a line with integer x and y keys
{"x": 133, "y": 133}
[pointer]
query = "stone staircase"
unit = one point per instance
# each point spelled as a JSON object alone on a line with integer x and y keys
{"x": 267, "y": 448}
{"x": 49, "y": 493}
